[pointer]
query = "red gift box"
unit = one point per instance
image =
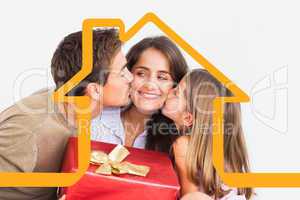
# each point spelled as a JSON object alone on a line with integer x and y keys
{"x": 160, "y": 183}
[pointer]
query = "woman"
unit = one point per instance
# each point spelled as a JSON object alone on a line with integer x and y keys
{"x": 157, "y": 66}
{"x": 190, "y": 106}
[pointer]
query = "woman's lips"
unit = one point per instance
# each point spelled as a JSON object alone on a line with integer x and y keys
{"x": 149, "y": 95}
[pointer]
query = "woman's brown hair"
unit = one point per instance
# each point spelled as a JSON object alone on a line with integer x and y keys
{"x": 201, "y": 90}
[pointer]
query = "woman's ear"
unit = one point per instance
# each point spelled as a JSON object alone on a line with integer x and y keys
{"x": 187, "y": 119}
{"x": 94, "y": 91}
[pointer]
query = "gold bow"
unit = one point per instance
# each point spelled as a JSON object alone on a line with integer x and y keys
{"x": 112, "y": 163}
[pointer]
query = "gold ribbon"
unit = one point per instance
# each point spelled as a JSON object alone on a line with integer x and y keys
{"x": 113, "y": 163}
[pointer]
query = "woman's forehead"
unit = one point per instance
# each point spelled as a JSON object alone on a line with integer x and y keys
{"x": 153, "y": 60}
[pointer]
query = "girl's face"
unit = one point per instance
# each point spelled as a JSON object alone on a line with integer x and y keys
{"x": 175, "y": 106}
{"x": 151, "y": 81}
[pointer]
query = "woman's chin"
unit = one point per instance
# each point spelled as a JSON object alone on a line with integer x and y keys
{"x": 147, "y": 111}
{"x": 147, "y": 107}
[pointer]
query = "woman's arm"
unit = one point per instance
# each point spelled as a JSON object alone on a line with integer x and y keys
{"x": 180, "y": 147}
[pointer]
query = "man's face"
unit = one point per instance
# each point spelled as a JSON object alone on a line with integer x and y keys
{"x": 116, "y": 89}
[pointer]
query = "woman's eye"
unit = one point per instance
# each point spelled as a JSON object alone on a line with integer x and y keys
{"x": 164, "y": 78}
{"x": 141, "y": 73}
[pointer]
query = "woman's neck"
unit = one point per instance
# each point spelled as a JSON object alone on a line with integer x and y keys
{"x": 134, "y": 123}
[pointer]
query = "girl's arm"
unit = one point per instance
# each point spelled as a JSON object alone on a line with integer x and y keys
{"x": 180, "y": 147}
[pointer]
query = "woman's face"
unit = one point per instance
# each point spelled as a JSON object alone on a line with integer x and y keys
{"x": 175, "y": 106}
{"x": 151, "y": 81}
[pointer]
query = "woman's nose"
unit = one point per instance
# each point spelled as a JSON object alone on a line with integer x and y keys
{"x": 150, "y": 85}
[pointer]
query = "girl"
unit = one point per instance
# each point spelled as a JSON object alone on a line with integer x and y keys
{"x": 190, "y": 106}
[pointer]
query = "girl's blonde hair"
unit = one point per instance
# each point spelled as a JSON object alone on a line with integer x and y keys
{"x": 201, "y": 90}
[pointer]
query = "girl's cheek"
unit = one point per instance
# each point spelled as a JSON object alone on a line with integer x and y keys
{"x": 174, "y": 105}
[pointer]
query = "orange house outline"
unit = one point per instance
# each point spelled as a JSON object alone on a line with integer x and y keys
{"x": 66, "y": 179}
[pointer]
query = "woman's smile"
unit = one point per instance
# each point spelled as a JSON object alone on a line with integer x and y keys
{"x": 149, "y": 95}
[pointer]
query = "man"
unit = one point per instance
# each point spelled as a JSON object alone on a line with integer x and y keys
{"x": 34, "y": 131}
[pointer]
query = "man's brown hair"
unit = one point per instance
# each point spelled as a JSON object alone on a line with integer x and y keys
{"x": 67, "y": 59}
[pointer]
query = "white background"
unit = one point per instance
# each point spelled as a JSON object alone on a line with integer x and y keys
{"x": 255, "y": 43}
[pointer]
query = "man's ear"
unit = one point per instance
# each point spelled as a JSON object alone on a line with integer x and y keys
{"x": 187, "y": 119}
{"x": 94, "y": 91}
